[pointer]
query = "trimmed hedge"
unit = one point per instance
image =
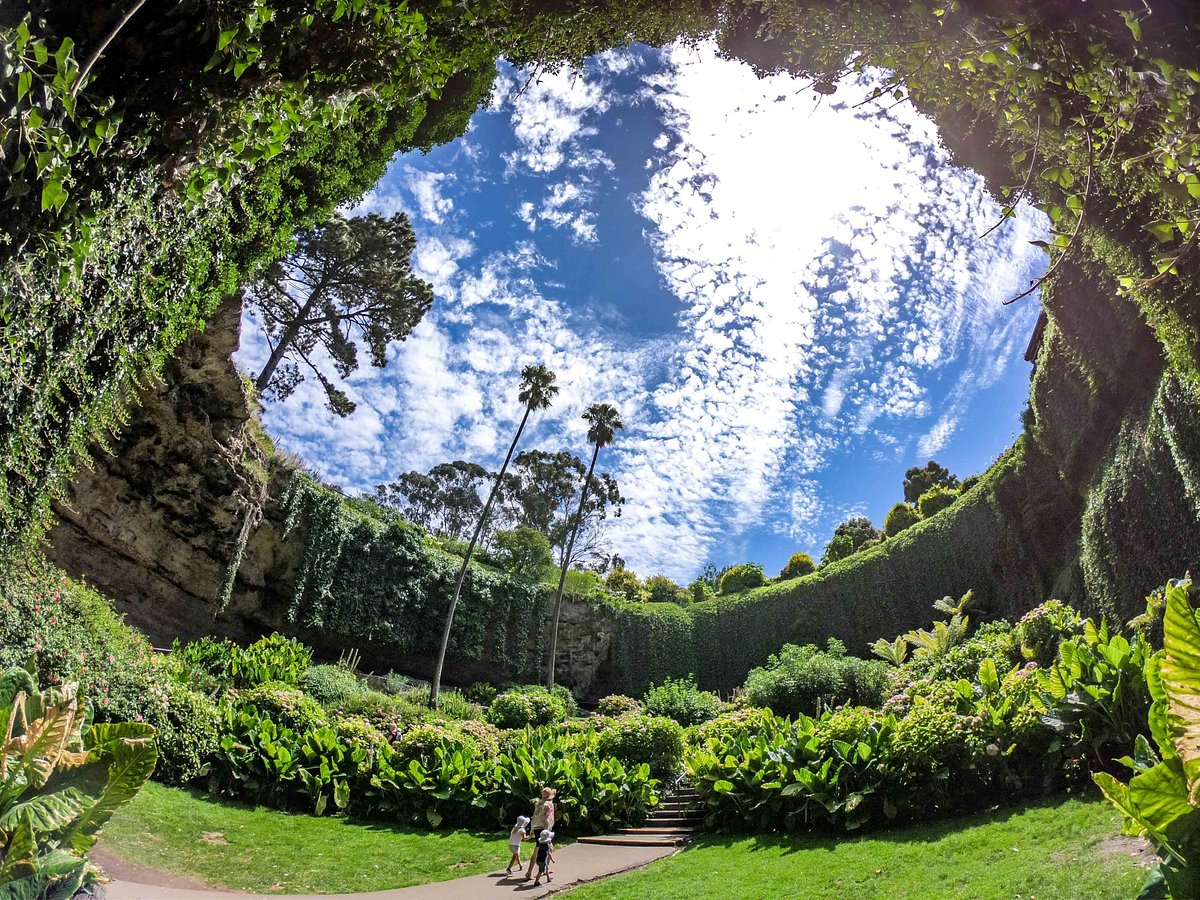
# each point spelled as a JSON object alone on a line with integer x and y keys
{"x": 976, "y": 544}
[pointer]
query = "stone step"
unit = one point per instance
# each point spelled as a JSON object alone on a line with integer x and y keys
{"x": 681, "y": 831}
{"x": 673, "y": 821}
{"x": 634, "y": 840}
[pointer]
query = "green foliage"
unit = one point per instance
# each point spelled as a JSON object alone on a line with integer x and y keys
{"x": 1097, "y": 691}
{"x": 480, "y": 692}
{"x": 839, "y": 547}
{"x": 362, "y": 578}
{"x": 188, "y": 737}
{"x": 521, "y": 708}
{"x": 331, "y": 686}
{"x": 617, "y": 705}
{"x": 680, "y": 699}
{"x": 1044, "y": 627}
{"x": 996, "y": 641}
{"x": 625, "y": 583}
{"x": 661, "y": 589}
{"x": 934, "y": 500}
{"x": 274, "y": 658}
{"x": 805, "y": 679}
{"x": 635, "y": 739}
{"x": 742, "y": 577}
{"x": 860, "y": 531}
{"x": 1159, "y": 802}
{"x": 700, "y": 590}
{"x": 62, "y": 778}
{"x": 967, "y": 483}
{"x": 524, "y": 552}
{"x": 286, "y": 706}
{"x": 798, "y": 565}
{"x": 894, "y": 652}
{"x": 921, "y": 480}
{"x": 900, "y": 517}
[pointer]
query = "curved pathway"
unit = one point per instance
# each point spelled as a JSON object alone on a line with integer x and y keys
{"x": 575, "y": 864}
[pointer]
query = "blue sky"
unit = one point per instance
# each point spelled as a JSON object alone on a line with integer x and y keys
{"x": 785, "y": 295}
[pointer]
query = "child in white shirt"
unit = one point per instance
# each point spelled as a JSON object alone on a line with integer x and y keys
{"x": 520, "y": 832}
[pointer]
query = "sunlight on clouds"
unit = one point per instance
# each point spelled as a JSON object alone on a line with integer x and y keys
{"x": 832, "y": 295}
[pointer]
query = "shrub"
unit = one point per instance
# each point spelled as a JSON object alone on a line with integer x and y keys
{"x": 625, "y": 583}
{"x": 206, "y": 661}
{"x": 934, "y": 500}
{"x": 742, "y": 577}
{"x": 480, "y": 692}
{"x": 860, "y": 530}
{"x": 1044, "y": 627}
{"x": 286, "y": 706}
{"x": 993, "y": 640}
{"x": 274, "y": 658}
{"x": 801, "y": 680}
{"x": 661, "y": 589}
{"x": 730, "y": 727}
{"x": 398, "y": 684}
{"x": 189, "y": 737}
{"x": 420, "y": 741}
{"x": 654, "y": 740}
{"x": 331, "y": 686}
{"x": 617, "y": 705}
{"x": 701, "y": 590}
{"x": 900, "y": 517}
{"x": 520, "y": 708}
{"x": 389, "y": 713}
{"x": 524, "y": 551}
{"x": 839, "y": 547}
{"x": 681, "y": 700}
{"x": 967, "y": 483}
{"x": 798, "y": 565}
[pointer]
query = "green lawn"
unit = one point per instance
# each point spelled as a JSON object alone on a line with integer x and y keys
{"x": 1063, "y": 849}
{"x": 268, "y": 851}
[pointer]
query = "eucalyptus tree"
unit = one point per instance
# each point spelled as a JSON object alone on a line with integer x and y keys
{"x": 537, "y": 392}
{"x": 603, "y": 423}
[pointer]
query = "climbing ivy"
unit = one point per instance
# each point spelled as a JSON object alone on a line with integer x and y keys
{"x": 379, "y": 579}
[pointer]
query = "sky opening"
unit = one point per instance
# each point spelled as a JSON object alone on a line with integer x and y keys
{"x": 785, "y": 295}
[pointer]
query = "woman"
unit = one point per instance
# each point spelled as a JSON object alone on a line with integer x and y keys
{"x": 543, "y": 818}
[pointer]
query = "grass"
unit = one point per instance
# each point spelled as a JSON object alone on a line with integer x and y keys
{"x": 1061, "y": 849}
{"x": 266, "y": 851}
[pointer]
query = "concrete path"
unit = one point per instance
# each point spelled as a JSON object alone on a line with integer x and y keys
{"x": 574, "y": 865}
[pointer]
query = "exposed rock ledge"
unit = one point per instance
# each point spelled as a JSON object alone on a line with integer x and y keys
{"x": 154, "y": 524}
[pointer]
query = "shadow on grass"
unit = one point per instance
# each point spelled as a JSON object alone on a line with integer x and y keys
{"x": 917, "y": 832}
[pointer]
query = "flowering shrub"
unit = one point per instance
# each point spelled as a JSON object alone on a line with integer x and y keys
{"x": 1044, "y": 627}
{"x": 654, "y": 740}
{"x": 617, "y": 704}
{"x": 519, "y": 708}
{"x": 730, "y": 727}
{"x": 188, "y": 737}
{"x": 681, "y": 700}
{"x": 286, "y": 706}
{"x": 995, "y": 640}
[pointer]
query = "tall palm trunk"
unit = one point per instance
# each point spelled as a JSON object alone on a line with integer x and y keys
{"x": 566, "y": 565}
{"x": 436, "y": 687}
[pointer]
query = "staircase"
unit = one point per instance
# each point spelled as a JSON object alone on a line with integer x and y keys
{"x": 671, "y": 824}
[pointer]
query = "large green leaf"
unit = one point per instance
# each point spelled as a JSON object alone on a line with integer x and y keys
{"x": 105, "y": 734}
{"x": 1180, "y": 674}
{"x": 130, "y": 764}
{"x": 12, "y": 683}
{"x": 1159, "y": 797}
{"x": 48, "y": 812}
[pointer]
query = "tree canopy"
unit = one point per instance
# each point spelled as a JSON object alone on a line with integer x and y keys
{"x": 918, "y": 480}
{"x": 347, "y": 281}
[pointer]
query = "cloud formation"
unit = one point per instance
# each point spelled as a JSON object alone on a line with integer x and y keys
{"x": 831, "y": 297}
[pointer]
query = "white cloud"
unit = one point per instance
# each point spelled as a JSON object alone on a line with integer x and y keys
{"x": 831, "y": 296}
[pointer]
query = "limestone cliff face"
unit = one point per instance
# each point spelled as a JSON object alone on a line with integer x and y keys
{"x": 155, "y": 523}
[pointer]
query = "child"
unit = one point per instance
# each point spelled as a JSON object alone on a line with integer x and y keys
{"x": 544, "y": 856}
{"x": 520, "y": 832}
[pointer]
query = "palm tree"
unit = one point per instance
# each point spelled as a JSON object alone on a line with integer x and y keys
{"x": 537, "y": 391}
{"x": 604, "y": 422}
